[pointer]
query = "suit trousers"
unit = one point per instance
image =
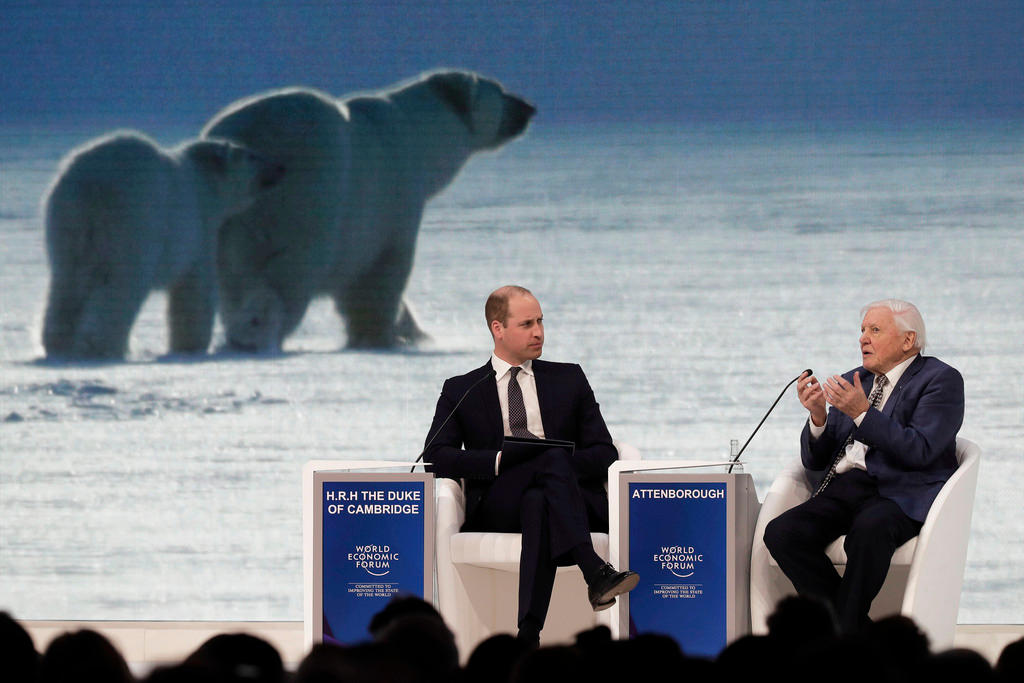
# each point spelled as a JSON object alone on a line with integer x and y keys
{"x": 542, "y": 499}
{"x": 875, "y": 527}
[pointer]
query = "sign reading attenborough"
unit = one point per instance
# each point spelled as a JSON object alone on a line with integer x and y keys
{"x": 373, "y": 540}
{"x": 678, "y": 545}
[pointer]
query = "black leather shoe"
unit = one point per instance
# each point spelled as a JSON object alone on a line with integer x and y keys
{"x": 607, "y": 583}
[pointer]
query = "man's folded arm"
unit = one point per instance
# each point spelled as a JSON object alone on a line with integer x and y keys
{"x": 456, "y": 463}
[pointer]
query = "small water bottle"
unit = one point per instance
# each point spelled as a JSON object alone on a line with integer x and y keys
{"x": 734, "y": 450}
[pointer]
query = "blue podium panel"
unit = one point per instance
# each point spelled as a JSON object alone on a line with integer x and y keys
{"x": 374, "y": 541}
{"x": 685, "y": 534}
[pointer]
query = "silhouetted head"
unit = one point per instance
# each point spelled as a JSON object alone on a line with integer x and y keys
{"x": 83, "y": 656}
{"x": 1010, "y": 665}
{"x": 957, "y": 664}
{"x": 493, "y": 659}
{"x": 553, "y": 664}
{"x": 847, "y": 659}
{"x": 898, "y": 643}
{"x": 748, "y": 658}
{"x": 362, "y": 663}
{"x": 799, "y": 618}
{"x": 645, "y": 657}
{"x": 425, "y": 643}
{"x": 182, "y": 673}
{"x": 19, "y": 659}
{"x": 402, "y": 606}
{"x": 239, "y": 658}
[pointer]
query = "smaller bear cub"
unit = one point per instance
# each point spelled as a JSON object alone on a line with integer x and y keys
{"x": 125, "y": 217}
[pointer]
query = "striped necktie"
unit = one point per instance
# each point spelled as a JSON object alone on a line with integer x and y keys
{"x": 875, "y": 399}
{"x": 516, "y": 407}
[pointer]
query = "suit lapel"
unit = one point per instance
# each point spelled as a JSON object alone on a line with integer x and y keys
{"x": 897, "y": 391}
{"x": 492, "y": 409}
{"x": 545, "y": 399}
{"x": 867, "y": 381}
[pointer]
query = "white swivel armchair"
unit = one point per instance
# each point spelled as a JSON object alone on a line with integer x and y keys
{"x": 926, "y": 573}
{"x": 478, "y": 577}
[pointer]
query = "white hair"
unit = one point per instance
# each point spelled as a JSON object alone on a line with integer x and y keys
{"x": 906, "y": 315}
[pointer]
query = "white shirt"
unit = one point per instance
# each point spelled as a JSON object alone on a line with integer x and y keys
{"x": 855, "y": 454}
{"x": 528, "y": 384}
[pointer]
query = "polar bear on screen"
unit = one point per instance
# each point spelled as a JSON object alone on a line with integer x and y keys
{"x": 344, "y": 221}
{"x": 124, "y": 217}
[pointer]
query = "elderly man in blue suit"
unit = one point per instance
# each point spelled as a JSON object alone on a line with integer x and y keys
{"x": 877, "y": 457}
{"x": 554, "y": 497}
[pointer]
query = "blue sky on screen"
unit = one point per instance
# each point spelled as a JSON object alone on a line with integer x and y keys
{"x": 611, "y": 61}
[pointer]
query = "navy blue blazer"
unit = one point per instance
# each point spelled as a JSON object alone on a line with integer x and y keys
{"x": 911, "y": 441}
{"x": 467, "y": 445}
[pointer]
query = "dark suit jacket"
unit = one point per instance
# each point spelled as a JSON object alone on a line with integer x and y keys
{"x": 467, "y": 445}
{"x": 911, "y": 441}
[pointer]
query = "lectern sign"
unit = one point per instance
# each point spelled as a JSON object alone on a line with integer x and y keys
{"x": 374, "y": 530}
{"x": 679, "y": 544}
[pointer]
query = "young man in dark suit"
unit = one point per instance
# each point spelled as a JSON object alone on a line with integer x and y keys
{"x": 554, "y": 497}
{"x": 878, "y": 456}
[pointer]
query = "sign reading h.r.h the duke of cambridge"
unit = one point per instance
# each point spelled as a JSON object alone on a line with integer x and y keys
{"x": 375, "y": 543}
{"x": 688, "y": 540}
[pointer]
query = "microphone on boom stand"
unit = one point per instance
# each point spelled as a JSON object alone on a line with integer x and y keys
{"x": 734, "y": 459}
{"x": 489, "y": 375}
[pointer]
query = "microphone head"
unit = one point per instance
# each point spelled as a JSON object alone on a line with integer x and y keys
{"x": 807, "y": 372}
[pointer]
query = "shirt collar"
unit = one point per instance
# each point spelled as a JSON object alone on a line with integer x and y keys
{"x": 894, "y": 375}
{"x": 501, "y": 367}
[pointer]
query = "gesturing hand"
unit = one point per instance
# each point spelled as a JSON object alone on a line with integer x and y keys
{"x": 845, "y": 396}
{"x": 808, "y": 389}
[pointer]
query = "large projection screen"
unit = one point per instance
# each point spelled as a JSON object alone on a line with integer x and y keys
{"x": 708, "y": 193}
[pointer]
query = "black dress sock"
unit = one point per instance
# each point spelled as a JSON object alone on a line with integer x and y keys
{"x": 587, "y": 560}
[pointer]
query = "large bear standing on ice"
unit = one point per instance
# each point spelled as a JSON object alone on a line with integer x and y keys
{"x": 344, "y": 221}
{"x": 124, "y": 217}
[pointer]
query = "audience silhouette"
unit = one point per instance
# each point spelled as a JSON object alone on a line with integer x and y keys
{"x": 957, "y": 664}
{"x": 409, "y": 642}
{"x": 82, "y": 656}
{"x": 493, "y": 659}
{"x": 1010, "y": 665}
{"x": 899, "y": 646}
{"x": 17, "y": 652}
{"x": 238, "y": 658}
